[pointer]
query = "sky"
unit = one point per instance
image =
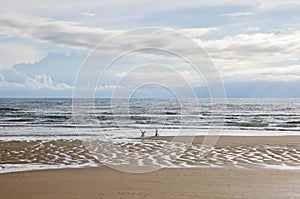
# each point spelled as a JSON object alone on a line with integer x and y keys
{"x": 58, "y": 48}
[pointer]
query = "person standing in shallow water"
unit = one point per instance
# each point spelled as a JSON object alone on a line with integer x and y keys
{"x": 156, "y": 132}
{"x": 143, "y": 132}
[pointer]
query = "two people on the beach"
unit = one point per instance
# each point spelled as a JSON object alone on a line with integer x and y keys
{"x": 143, "y": 132}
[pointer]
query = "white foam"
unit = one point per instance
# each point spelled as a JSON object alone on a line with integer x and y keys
{"x": 123, "y": 134}
{"x": 9, "y": 168}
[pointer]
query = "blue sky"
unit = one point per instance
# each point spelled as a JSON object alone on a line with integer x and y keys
{"x": 255, "y": 46}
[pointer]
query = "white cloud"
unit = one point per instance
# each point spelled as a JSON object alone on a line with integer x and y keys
{"x": 238, "y": 14}
{"x": 284, "y": 73}
{"x": 237, "y": 54}
{"x": 257, "y": 56}
{"x": 42, "y": 81}
{"x": 66, "y": 33}
{"x": 258, "y": 46}
{"x": 88, "y": 14}
{"x": 108, "y": 87}
{"x": 39, "y": 81}
{"x": 72, "y": 34}
{"x": 13, "y": 53}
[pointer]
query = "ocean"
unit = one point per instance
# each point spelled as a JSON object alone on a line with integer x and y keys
{"x": 29, "y": 118}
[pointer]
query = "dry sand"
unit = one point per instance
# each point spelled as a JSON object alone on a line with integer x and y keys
{"x": 166, "y": 183}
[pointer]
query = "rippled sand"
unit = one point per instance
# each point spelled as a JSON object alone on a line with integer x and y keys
{"x": 273, "y": 152}
{"x": 44, "y": 152}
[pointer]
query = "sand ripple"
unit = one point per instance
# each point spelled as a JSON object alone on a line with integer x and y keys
{"x": 157, "y": 153}
{"x": 168, "y": 154}
{"x": 44, "y": 152}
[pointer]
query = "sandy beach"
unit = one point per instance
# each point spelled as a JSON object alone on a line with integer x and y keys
{"x": 165, "y": 183}
{"x": 243, "y": 171}
{"x": 162, "y": 151}
{"x": 150, "y": 99}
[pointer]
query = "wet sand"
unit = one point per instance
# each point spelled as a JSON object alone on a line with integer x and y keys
{"x": 242, "y": 172}
{"x": 166, "y": 183}
{"x": 229, "y": 151}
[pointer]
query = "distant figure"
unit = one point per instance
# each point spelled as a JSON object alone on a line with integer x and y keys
{"x": 156, "y": 132}
{"x": 143, "y": 132}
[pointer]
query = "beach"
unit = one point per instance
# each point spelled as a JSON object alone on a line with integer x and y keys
{"x": 282, "y": 152}
{"x": 232, "y": 169}
{"x": 150, "y": 100}
{"x": 165, "y": 183}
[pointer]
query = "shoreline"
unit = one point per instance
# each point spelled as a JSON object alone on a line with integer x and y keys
{"x": 165, "y": 183}
{"x": 135, "y": 134}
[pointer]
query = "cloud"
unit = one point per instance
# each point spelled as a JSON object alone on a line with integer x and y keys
{"x": 67, "y": 33}
{"x": 118, "y": 13}
{"x": 250, "y": 50}
{"x": 235, "y": 55}
{"x": 238, "y": 14}
{"x": 244, "y": 54}
{"x": 256, "y": 46}
{"x": 44, "y": 81}
{"x": 88, "y": 14}
{"x": 13, "y": 53}
{"x": 60, "y": 67}
{"x": 283, "y": 74}
{"x": 38, "y": 83}
{"x": 71, "y": 34}
{"x": 264, "y": 56}
{"x": 74, "y": 35}
{"x": 12, "y": 79}
{"x": 120, "y": 8}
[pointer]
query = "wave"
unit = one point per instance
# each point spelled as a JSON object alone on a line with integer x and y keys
{"x": 293, "y": 122}
{"x": 8, "y": 109}
{"x": 171, "y": 113}
{"x": 243, "y": 114}
{"x": 247, "y": 124}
